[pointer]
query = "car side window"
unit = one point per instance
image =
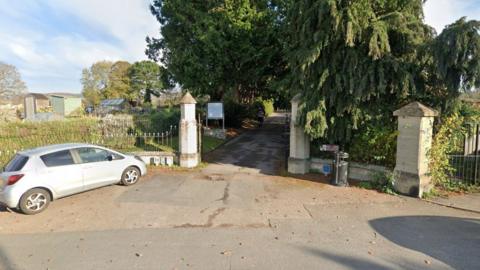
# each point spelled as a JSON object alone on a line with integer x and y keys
{"x": 90, "y": 154}
{"x": 116, "y": 156}
{"x": 16, "y": 164}
{"x": 60, "y": 158}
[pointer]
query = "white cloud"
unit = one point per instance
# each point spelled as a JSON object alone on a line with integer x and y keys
{"x": 128, "y": 21}
{"x": 50, "y": 56}
{"x": 439, "y": 13}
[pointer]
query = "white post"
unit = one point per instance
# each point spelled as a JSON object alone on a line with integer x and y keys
{"x": 299, "y": 159}
{"x": 188, "y": 133}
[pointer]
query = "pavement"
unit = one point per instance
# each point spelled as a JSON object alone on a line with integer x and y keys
{"x": 469, "y": 202}
{"x": 240, "y": 212}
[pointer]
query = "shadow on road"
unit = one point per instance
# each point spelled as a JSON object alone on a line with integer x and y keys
{"x": 454, "y": 241}
{"x": 3, "y": 208}
{"x": 5, "y": 262}
{"x": 350, "y": 262}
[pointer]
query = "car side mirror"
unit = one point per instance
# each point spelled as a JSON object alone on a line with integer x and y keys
{"x": 110, "y": 157}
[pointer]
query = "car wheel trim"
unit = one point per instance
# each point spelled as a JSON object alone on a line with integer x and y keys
{"x": 131, "y": 176}
{"x": 36, "y": 202}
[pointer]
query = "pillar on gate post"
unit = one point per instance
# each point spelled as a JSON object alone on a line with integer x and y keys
{"x": 299, "y": 158}
{"x": 415, "y": 126}
{"x": 188, "y": 132}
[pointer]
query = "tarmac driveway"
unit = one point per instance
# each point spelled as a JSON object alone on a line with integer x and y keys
{"x": 238, "y": 213}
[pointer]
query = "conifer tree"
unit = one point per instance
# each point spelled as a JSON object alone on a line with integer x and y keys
{"x": 221, "y": 48}
{"x": 357, "y": 61}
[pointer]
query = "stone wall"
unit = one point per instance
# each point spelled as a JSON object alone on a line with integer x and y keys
{"x": 356, "y": 171}
{"x": 364, "y": 172}
{"x": 215, "y": 133}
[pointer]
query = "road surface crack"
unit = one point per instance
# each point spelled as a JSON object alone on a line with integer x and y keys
{"x": 308, "y": 211}
{"x": 226, "y": 194}
{"x": 209, "y": 223}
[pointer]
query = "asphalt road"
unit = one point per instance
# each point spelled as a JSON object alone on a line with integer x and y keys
{"x": 239, "y": 213}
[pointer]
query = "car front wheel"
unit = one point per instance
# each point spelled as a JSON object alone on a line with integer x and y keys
{"x": 34, "y": 201}
{"x": 130, "y": 176}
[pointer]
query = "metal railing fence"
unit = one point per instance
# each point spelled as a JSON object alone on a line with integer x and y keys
{"x": 466, "y": 169}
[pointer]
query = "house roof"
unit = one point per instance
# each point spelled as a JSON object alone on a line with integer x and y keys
{"x": 65, "y": 95}
{"x": 37, "y": 96}
{"x": 112, "y": 102}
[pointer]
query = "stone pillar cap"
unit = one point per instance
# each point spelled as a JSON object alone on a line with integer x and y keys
{"x": 188, "y": 99}
{"x": 416, "y": 109}
{"x": 297, "y": 98}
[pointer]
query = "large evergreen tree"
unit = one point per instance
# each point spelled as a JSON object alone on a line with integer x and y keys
{"x": 354, "y": 62}
{"x": 220, "y": 47}
{"x": 147, "y": 78}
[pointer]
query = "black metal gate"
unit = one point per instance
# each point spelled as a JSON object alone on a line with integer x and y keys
{"x": 466, "y": 167}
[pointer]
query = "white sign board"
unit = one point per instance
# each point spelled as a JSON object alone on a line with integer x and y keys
{"x": 215, "y": 110}
{"x": 330, "y": 148}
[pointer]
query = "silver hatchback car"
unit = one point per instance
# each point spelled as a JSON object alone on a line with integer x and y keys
{"x": 35, "y": 177}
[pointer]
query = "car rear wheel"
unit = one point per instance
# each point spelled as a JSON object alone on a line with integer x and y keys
{"x": 130, "y": 176}
{"x": 35, "y": 201}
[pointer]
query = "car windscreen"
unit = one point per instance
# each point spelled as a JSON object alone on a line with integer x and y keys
{"x": 16, "y": 164}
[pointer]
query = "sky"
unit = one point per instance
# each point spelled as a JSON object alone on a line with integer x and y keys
{"x": 51, "y": 41}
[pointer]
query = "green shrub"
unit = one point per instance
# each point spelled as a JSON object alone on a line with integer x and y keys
{"x": 236, "y": 113}
{"x": 374, "y": 144}
{"x": 266, "y": 104}
{"x": 449, "y": 137}
{"x": 382, "y": 181}
{"x": 446, "y": 141}
{"x": 163, "y": 119}
{"x": 115, "y": 134}
{"x": 19, "y": 136}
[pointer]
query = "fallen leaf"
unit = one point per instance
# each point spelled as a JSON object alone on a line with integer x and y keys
{"x": 226, "y": 252}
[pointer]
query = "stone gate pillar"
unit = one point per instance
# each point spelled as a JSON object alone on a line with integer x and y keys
{"x": 299, "y": 158}
{"x": 188, "y": 133}
{"x": 415, "y": 126}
